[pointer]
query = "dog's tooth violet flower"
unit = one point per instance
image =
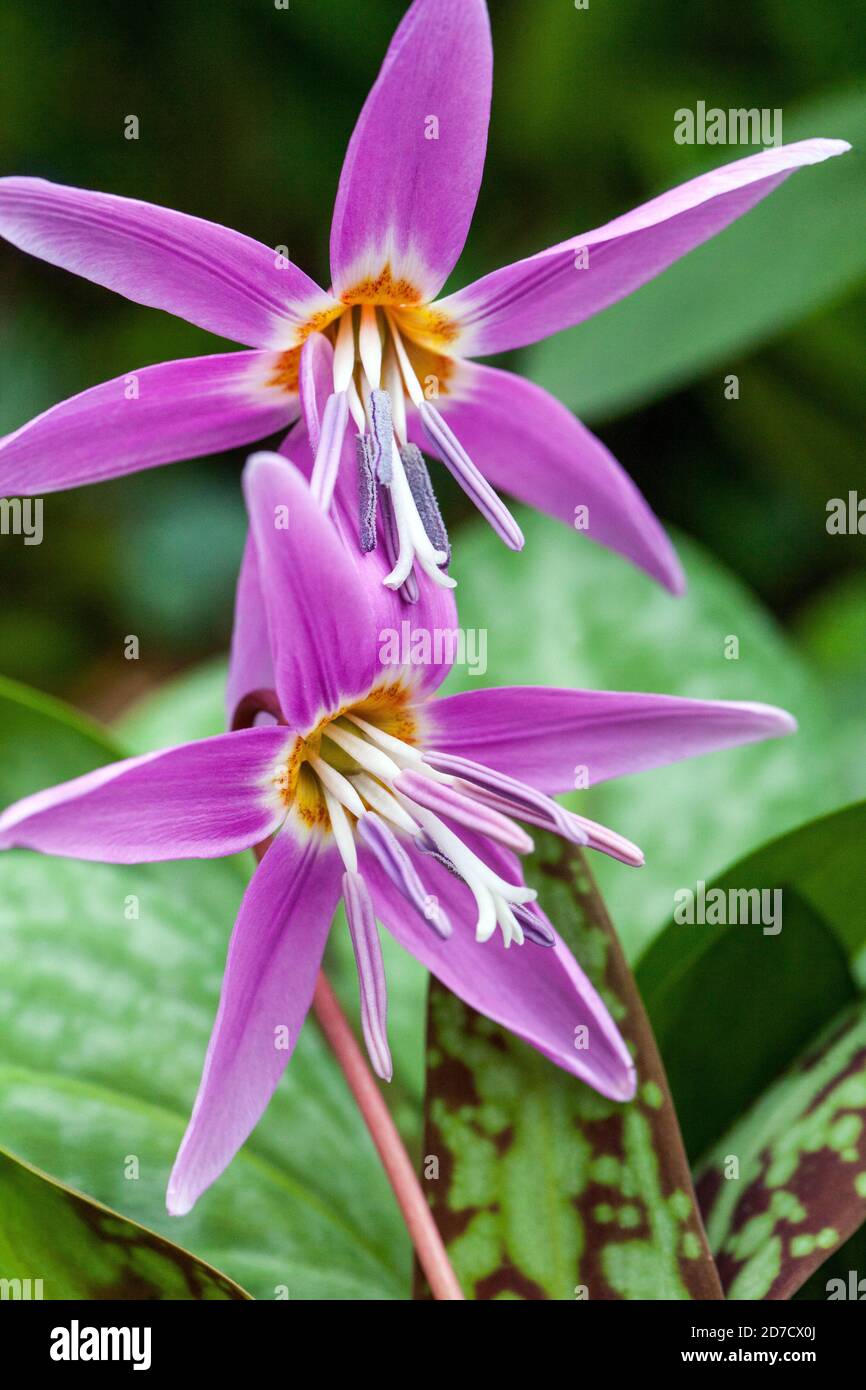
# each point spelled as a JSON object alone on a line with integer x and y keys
{"x": 402, "y": 374}
{"x": 370, "y": 788}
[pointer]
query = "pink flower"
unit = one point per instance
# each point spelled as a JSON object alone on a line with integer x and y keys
{"x": 405, "y": 201}
{"x": 371, "y": 788}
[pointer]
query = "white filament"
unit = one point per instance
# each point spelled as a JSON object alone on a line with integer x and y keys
{"x": 370, "y": 346}
{"x": 337, "y": 785}
{"x": 344, "y": 353}
{"x": 343, "y": 836}
{"x": 411, "y": 382}
{"x": 369, "y": 758}
{"x": 382, "y": 801}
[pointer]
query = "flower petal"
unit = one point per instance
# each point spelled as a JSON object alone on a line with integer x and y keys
{"x": 544, "y": 736}
{"x": 251, "y": 666}
{"x": 413, "y": 167}
{"x": 199, "y": 801}
{"x": 175, "y": 410}
{"x": 320, "y": 619}
{"x": 212, "y": 276}
{"x": 557, "y": 288}
{"x": 526, "y": 443}
{"x": 541, "y": 995}
{"x": 273, "y": 960}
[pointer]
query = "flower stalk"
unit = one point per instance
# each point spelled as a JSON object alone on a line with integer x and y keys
{"x": 422, "y": 1228}
{"x": 423, "y": 1231}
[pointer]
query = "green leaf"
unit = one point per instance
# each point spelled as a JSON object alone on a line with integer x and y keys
{"x": 57, "y": 1244}
{"x": 800, "y": 248}
{"x": 845, "y": 1267}
{"x": 104, "y": 1021}
{"x": 798, "y": 1189}
{"x": 606, "y": 626}
{"x": 27, "y": 763}
{"x": 732, "y": 1004}
{"x": 188, "y": 707}
{"x": 545, "y": 1189}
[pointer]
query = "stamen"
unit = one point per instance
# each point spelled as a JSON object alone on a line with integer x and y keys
{"x": 371, "y": 759}
{"x": 337, "y": 785}
{"x": 474, "y": 484}
{"x": 343, "y": 836}
{"x": 428, "y": 846}
{"x": 381, "y": 800}
{"x": 400, "y": 533}
{"x": 578, "y": 830}
{"x": 607, "y": 841}
{"x": 370, "y": 346}
{"x": 425, "y": 498}
{"x": 366, "y": 494}
{"x": 393, "y": 383}
{"x": 400, "y": 751}
{"x": 414, "y": 543}
{"x": 393, "y": 859}
{"x": 448, "y": 801}
{"x": 307, "y": 389}
{"x": 334, "y": 420}
{"x": 405, "y": 754}
{"x": 382, "y": 430}
{"x": 410, "y": 380}
{"x": 485, "y": 885}
{"x": 562, "y": 823}
{"x": 371, "y": 972}
{"x": 534, "y": 929}
{"x": 507, "y": 789}
{"x": 344, "y": 353}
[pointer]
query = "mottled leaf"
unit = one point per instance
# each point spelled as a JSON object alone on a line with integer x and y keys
{"x": 57, "y": 1244}
{"x": 749, "y": 995}
{"x": 786, "y": 1186}
{"x": 109, "y": 980}
{"x": 546, "y": 1190}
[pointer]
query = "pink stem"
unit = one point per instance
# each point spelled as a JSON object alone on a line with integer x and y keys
{"x": 423, "y": 1231}
{"x": 401, "y": 1175}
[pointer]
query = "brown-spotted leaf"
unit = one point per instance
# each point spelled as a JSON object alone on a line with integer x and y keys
{"x": 786, "y": 1186}
{"x": 57, "y": 1244}
{"x": 541, "y": 1188}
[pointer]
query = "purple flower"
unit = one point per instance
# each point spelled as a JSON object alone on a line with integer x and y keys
{"x": 408, "y": 806}
{"x": 402, "y": 369}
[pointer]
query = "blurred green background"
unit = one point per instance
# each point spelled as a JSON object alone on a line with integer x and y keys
{"x": 245, "y": 111}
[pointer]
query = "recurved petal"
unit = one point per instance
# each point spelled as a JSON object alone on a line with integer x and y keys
{"x": 570, "y": 282}
{"x": 251, "y": 666}
{"x": 323, "y": 637}
{"x": 198, "y": 801}
{"x": 432, "y": 621}
{"x": 212, "y": 276}
{"x": 543, "y": 735}
{"x": 526, "y": 443}
{"x": 161, "y": 414}
{"x": 413, "y": 167}
{"x": 273, "y": 960}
